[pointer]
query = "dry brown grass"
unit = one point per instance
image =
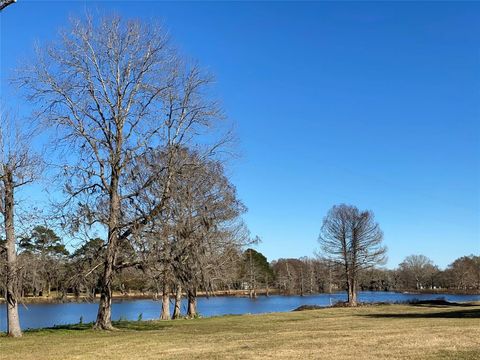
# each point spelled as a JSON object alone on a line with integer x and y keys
{"x": 376, "y": 332}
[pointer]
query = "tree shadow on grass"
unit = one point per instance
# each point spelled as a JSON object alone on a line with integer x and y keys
{"x": 118, "y": 325}
{"x": 57, "y": 328}
{"x": 440, "y": 303}
{"x": 143, "y": 325}
{"x": 454, "y": 314}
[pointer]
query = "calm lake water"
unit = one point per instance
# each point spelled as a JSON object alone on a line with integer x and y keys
{"x": 47, "y": 315}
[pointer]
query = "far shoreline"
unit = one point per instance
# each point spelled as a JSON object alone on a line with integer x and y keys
{"x": 70, "y": 298}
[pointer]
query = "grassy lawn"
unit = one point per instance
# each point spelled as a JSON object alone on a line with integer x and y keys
{"x": 376, "y": 332}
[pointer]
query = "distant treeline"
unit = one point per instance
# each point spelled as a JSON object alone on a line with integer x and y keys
{"x": 48, "y": 269}
{"x": 415, "y": 273}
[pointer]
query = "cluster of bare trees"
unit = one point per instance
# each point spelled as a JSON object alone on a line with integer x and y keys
{"x": 416, "y": 273}
{"x": 194, "y": 241}
{"x": 305, "y": 276}
{"x": 54, "y": 271}
{"x": 137, "y": 138}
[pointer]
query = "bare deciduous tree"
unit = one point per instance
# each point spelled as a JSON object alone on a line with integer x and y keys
{"x": 417, "y": 272}
{"x": 351, "y": 238}
{"x": 19, "y": 166}
{"x": 115, "y": 90}
{"x": 464, "y": 273}
{"x": 191, "y": 244}
{"x": 207, "y": 226}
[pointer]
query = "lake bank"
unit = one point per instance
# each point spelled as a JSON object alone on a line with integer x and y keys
{"x": 49, "y": 314}
{"x": 370, "y": 332}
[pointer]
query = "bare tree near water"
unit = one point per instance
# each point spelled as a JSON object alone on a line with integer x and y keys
{"x": 352, "y": 239}
{"x": 114, "y": 90}
{"x": 417, "y": 272}
{"x": 192, "y": 244}
{"x": 19, "y": 166}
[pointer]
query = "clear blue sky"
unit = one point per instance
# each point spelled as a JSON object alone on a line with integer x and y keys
{"x": 372, "y": 104}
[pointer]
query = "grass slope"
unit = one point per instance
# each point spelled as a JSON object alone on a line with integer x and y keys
{"x": 374, "y": 332}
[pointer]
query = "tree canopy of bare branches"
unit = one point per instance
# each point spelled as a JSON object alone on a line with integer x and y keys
{"x": 351, "y": 238}
{"x": 417, "y": 271}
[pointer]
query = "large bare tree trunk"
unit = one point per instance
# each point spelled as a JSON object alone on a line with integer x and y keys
{"x": 104, "y": 315}
{"x": 13, "y": 321}
{"x": 178, "y": 303}
{"x": 165, "y": 303}
{"x": 352, "y": 292}
{"x": 192, "y": 303}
